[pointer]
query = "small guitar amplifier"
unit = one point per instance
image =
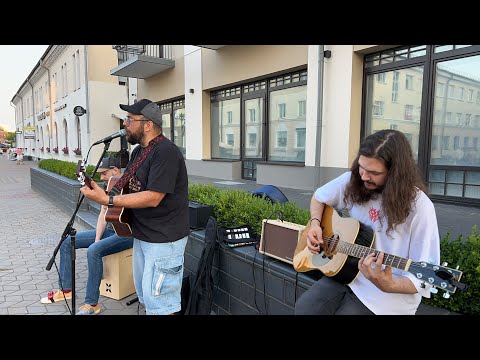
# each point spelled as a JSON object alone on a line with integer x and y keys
{"x": 279, "y": 239}
{"x": 199, "y": 214}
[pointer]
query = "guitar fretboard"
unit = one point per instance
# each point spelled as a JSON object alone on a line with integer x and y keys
{"x": 360, "y": 251}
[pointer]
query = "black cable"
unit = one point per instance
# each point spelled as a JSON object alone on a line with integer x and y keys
{"x": 280, "y": 215}
{"x": 296, "y": 285}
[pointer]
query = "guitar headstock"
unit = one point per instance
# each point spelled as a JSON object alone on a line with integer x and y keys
{"x": 82, "y": 177}
{"x": 440, "y": 277}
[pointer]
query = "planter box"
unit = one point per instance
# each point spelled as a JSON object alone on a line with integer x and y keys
{"x": 59, "y": 189}
{"x": 249, "y": 283}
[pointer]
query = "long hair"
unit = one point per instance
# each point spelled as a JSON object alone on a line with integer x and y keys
{"x": 400, "y": 189}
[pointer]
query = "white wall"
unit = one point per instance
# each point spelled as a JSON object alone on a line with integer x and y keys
{"x": 311, "y": 144}
{"x": 193, "y": 102}
{"x": 337, "y": 106}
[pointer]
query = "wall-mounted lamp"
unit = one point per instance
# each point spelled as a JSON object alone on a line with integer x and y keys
{"x": 327, "y": 54}
{"x": 191, "y": 91}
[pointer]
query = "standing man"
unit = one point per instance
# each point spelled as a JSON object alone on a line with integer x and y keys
{"x": 157, "y": 184}
{"x": 100, "y": 242}
{"x": 384, "y": 191}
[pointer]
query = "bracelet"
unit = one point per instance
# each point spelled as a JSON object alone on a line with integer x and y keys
{"x": 320, "y": 223}
{"x": 110, "y": 201}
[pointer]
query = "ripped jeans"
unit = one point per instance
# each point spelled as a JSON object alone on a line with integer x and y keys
{"x": 158, "y": 274}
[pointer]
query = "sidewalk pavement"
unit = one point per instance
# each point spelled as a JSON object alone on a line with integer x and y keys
{"x": 31, "y": 228}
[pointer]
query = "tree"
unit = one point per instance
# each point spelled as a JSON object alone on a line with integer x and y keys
{"x": 10, "y": 136}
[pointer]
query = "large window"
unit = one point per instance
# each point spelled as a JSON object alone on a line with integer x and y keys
{"x": 173, "y": 122}
{"x": 401, "y": 111}
{"x": 239, "y": 132}
{"x": 284, "y": 120}
{"x": 437, "y": 112}
{"x": 225, "y": 119}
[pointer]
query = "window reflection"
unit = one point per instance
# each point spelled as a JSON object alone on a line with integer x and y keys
{"x": 253, "y": 128}
{"x": 226, "y": 129}
{"x": 287, "y": 124}
{"x": 166, "y": 126}
{"x": 179, "y": 129}
{"x": 394, "y": 102}
{"x": 456, "y": 121}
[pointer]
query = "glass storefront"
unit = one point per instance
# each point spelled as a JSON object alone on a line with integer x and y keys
{"x": 432, "y": 94}
{"x": 239, "y": 130}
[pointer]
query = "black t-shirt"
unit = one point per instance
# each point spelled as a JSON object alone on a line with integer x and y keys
{"x": 164, "y": 171}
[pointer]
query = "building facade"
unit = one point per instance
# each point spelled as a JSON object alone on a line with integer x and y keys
{"x": 294, "y": 115}
{"x": 286, "y": 115}
{"x": 68, "y": 78}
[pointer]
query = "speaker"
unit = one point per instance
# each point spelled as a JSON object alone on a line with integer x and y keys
{"x": 279, "y": 239}
{"x": 199, "y": 214}
{"x": 271, "y": 193}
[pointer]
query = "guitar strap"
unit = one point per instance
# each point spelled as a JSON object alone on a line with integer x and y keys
{"x": 138, "y": 161}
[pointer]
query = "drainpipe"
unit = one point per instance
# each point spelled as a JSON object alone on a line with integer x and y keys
{"x": 49, "y": 101}
{"x": 318, "y": 153}
{"x": 87, "y": 103}
{"x": 33, "y": 112}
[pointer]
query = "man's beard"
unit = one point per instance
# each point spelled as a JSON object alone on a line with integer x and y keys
{"x": 135, "y": 138}
{"x": 371, "y": 193}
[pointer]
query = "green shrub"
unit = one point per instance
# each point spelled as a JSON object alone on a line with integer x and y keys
{"x": 464, "y": 252}
{"x": 65, "y": 168}
{"x": 239, "y": 207}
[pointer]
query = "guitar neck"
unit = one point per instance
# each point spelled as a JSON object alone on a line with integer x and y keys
{"x": 360, "y": 251}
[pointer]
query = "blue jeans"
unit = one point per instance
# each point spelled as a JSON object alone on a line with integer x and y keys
{"x": 158, "y": 274}
{"x": 111, "y": 243}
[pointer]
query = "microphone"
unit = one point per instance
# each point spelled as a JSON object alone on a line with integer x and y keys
{"x": 119, "y": 133}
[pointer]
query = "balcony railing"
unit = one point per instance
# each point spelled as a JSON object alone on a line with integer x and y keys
{"x": 143, "y": 61}
{"x": 126, "y": 52}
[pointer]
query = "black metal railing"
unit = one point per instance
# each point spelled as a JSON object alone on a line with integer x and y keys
{"x": 126, "y": 52}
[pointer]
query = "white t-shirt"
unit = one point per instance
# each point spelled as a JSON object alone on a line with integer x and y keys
{"x": 416, "y": 239}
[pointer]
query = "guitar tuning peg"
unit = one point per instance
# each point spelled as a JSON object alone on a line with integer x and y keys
{"x": 446, "y": 295}
{"x": 457, "y": 267}
{"x": 445, "y": 263}
{"x": 434, "y": 290}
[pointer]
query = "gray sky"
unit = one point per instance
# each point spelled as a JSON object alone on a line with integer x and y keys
{"x": 16, "y": 62}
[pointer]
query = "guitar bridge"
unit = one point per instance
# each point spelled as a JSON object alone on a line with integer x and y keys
{"x": 329, "y": 247}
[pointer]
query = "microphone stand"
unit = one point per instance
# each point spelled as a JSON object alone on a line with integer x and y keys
{"x": 70, "y": 230}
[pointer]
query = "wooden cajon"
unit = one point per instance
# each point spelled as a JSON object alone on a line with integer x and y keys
{"x": 117, "y": 281}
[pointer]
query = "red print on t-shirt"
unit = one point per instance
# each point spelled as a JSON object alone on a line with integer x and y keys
{"x": 374, "y": 214}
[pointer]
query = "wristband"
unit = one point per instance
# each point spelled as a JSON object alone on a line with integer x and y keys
{"x": 110, "y": 201}
{"x": 320, "y": 223}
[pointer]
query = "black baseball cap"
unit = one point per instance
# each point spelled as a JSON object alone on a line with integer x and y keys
{"x": 109, "y": 163}
{"x": 145, "y": 107}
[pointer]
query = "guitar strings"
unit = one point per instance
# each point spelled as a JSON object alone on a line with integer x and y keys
{"x": 363, "y": 251}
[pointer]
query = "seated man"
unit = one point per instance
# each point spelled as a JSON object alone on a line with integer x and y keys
{"x": 100, "y": 242}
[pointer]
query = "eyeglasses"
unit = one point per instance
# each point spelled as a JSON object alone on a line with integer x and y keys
{"x": 128, "y": 120}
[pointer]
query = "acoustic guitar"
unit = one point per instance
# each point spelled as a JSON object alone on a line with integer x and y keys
{"x": 117, "y": 216}
{"x": 345, "y": 240}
